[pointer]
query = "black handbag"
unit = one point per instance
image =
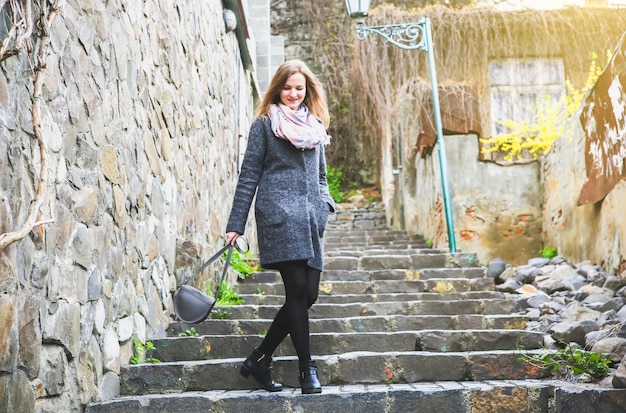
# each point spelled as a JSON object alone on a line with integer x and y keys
{"x": 192, "y": 305}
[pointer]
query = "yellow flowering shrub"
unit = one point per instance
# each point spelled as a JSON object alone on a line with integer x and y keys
{"x": 535, "y": 138}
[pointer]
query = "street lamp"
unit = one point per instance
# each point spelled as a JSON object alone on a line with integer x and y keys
{"x": 411, "y": 36}
{"x": 358, "y": 9}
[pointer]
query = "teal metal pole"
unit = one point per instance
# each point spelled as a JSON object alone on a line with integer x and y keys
{"x": 408, "y": 36}
{"x": 441, "y": 150}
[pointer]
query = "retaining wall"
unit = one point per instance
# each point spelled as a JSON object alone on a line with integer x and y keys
{"x": 144, "y": 105}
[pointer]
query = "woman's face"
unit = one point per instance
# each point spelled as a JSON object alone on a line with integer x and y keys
{"x": 294, "y": 91}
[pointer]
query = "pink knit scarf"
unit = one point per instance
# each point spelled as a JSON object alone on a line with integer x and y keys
{"x": 300, "y": 127}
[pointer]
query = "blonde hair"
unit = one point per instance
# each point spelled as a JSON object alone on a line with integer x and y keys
{"x": 315, "y": 98}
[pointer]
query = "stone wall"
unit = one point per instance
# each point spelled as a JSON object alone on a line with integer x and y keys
{"x": 358, "y": 215}
{"x": 145, "y": 105}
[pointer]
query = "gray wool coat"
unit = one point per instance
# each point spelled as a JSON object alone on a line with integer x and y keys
{"x": 292, "y": 199}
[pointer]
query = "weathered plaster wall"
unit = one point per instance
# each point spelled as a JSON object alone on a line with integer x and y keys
{"x": 592, "y": 232}
{"x": 144, "y": 103}
{"x": 585, "y": 175}
{"x": 496, "y": 209}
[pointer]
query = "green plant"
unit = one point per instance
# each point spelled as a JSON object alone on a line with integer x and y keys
{"x": 190, "y": 332}
{"x": 549, "y": 252}
{"x": 139, "y": 355}
{"x": 334, "y": 177}
{"x": 221, "y": 314}
{"x": 226, "y": 295}
{"x": 572, "y": 361}
{"x": 239, "y": 263}
{"x": 260, "y": 292}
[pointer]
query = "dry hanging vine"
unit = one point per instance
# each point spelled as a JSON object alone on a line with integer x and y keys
{"x": 24, "y": 30}
{"x": 369, "y": 81}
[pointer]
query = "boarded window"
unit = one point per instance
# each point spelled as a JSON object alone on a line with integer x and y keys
{"x": 516, "y": 85}
{"x": 617, "y": 3}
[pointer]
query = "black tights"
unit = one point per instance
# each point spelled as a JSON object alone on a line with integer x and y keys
{"x": 301, "y": 290}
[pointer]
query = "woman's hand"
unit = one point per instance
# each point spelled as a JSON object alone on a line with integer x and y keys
{"x": 231, "y": 238}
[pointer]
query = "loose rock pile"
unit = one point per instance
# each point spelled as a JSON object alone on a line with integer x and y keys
{"x": 580, "y": 305}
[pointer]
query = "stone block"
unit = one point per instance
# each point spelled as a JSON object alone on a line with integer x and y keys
{"x": 425, "y": 367}
{"x": 16, "y": 393}
{"x": 8, "y": 342}
{"x": 63, "y": 326}
{"x": 110, "y": 386}
{"x": 498, "y": 365}
{"x": 503, "y": 400}
{"x": 125, "y": 328}
{"x": 440, "y": 401}
{"x": 581, "y": 399}
{"x": 54, "y": 370}
{"x": 341, "y": 263}
{"x": 420, "y": 261}
{"x": 30, "y": 334}
{"x": 111, "y": 350}
{"x": 385, "y": 262}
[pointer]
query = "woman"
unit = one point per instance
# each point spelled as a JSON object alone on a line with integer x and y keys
{"x": 285, "y": 166}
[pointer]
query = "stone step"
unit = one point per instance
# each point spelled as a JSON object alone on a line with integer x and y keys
{"x": 380, "y": 239}
{"x": 338, "y": 274}
{"x": 361, "y": 237}
{"x": 233, "y": 346}
{"x": 359, "y": 251}
{"x": 265, "y": 299}
{"x": 354, "y": 245}
{"x": 360, "y": 324}
{"x": 391, "y": 261}
{"x": 366, "y": 235}
{"x": 437, "y": 285}
{"x": 439, "y": 307}
{"x": 503, "y": 396}
{"x": 478, "y": 340}
{"x": 347, "y": 368}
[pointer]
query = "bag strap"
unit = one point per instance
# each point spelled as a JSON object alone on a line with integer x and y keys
{"x": 213, "y": 258}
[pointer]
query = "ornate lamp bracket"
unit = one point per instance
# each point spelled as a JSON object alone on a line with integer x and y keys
{"x": 408, "y": 36}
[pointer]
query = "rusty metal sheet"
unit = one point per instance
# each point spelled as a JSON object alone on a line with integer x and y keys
{"x": 460, "y": 114}
{"x": 603, "y": 119}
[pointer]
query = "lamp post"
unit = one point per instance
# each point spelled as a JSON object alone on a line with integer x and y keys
{"x": 411, "y": 36}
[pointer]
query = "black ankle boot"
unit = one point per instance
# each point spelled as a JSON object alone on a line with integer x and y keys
{"x": 258, "y": 365}
{"x": 308, "y": 379}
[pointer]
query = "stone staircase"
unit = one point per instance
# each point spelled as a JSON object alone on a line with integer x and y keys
{"x": 398, "y": 327}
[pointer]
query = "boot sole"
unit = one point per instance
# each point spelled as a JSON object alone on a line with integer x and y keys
{"x": 246, "y": 373}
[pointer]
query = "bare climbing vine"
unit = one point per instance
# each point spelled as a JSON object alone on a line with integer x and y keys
{"x": 28, "y": 25}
